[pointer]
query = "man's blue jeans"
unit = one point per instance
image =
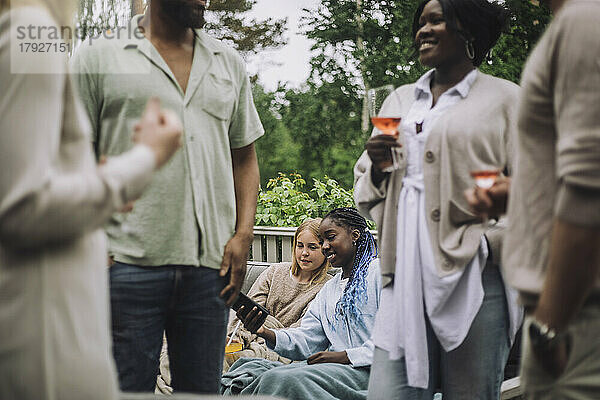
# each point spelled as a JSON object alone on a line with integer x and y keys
{"x": 181, "y": 300}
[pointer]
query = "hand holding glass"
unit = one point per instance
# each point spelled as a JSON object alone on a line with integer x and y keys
{"x": 384, "y": 120}
{"x": 485, "y": 179}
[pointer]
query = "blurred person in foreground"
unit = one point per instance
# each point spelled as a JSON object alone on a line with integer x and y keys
{"x": 552, "y": 245}
{"x": 446, "y": 319}
{"x": 195, "y": 222}
{"x": 54, "y": 316}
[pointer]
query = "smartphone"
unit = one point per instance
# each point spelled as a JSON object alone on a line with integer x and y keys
{"x": 249, "y": 304}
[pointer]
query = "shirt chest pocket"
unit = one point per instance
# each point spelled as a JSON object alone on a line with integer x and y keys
{"x": 218, "y": 97}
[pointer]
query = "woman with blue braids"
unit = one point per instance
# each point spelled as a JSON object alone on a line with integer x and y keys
{"x": 334, "y": 338}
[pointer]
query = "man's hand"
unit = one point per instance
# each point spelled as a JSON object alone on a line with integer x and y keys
{"x": 234, "y": 259}
{"x": 489, "y": 202}
{"x": 337, "y": 357}
{"x": 246, "y": 179}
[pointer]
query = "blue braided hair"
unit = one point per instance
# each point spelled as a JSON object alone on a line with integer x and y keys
{"x": 355, "y": 291}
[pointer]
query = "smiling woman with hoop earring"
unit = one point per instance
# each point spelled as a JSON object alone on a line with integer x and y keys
{"x": 444, "y": 299}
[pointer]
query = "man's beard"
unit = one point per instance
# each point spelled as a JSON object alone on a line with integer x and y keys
{"x": 188, "y": 13}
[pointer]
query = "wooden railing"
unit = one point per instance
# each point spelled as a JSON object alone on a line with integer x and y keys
{"x": 274, "y": 244}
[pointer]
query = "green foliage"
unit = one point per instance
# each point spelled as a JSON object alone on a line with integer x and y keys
{"x": 286, "y": 202}
{"x": 276, "y": 150}
{"x": 314, "y": 130}
{"x": 527, "y": 23}
{"x": 325, "y": 122}
{"x": 373, "y": 38}
{"x": 328, "y": 194}
{"x": 225, "y": 21}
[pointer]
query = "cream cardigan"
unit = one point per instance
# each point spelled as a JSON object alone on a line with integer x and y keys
{"x": 474, "y": 134}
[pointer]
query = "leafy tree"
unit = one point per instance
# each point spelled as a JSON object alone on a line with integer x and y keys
{"x": 277, "y": 151}
{"x": 372, "y": 39}
{"x": 367, "y": 42}
{"x": 527, "y": 23}
{"x": 324, "y": 121}
{"x": 310, "y": 130}
{"x": 247, "y": 36}
{"x": 384, "y": 28}
{"x": 225, "y": 21}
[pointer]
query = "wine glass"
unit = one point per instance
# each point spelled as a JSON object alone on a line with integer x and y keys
{"x": 485, "y": 179}
{"x": 385, "y": 119}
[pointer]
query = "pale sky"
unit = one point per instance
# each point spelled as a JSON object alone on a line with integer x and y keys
{"x": 295, "y": 56}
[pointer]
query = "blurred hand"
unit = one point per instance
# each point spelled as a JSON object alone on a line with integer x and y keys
{"x": 234, "y": 260}
{"x": 338, "y": 357}
{"x": 379, "y": 149}
{"x": 160, "y": 130}
{"x": 491, "y": 202}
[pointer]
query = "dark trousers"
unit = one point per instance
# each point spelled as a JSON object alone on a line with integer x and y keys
{"x": 182, "y": 301}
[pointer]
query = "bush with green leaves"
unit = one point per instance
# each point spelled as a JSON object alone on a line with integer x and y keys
{"x": 287, "y": 202}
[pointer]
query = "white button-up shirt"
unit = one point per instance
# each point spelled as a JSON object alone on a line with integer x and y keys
{"x": 400, "y": 324}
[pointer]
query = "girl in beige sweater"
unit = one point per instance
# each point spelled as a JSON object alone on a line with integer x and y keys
{"x": 285, "y": 290}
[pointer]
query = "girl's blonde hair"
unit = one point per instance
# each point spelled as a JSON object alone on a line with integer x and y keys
{"x": 311, "y": 225}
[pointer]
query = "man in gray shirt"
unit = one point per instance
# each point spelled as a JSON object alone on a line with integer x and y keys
{"x": 552, "y": 247}
{"x": 195, "y": 222}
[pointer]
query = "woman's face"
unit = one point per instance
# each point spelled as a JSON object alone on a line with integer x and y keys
{"x": 338, "y": 244}
{"x": 308, "y": 251}
{"x": 437, "y": 44}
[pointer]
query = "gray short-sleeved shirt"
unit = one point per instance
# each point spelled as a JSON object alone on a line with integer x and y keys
{"x": 188, "y": 213}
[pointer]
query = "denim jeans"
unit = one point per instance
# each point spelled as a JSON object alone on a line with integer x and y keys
{"x": 474, "y": 370}
{"x": 182, "y": 301}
